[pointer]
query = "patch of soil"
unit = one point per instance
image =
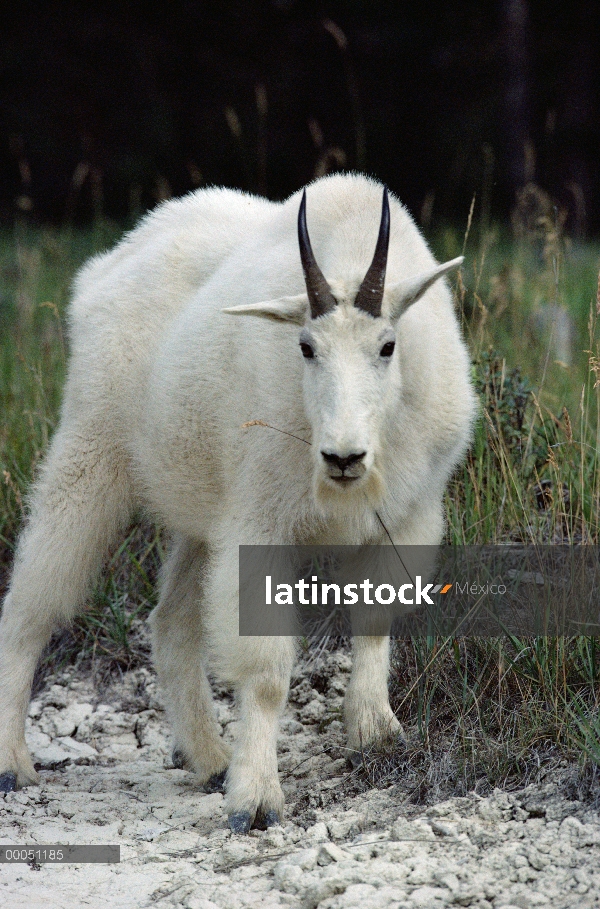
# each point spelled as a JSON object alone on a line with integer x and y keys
{"x": 350, "y": 838}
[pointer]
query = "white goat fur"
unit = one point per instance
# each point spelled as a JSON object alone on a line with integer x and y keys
{"x": 159, "y": 385}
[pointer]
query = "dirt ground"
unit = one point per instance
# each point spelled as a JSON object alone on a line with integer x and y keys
{"x": 104, "y": 754}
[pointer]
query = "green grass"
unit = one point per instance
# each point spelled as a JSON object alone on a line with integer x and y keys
{"x": 36, "y": 271}
{"x": 478, "y": 712}
{"x": 529, "y": 311}
{"x": 494, "y": 712}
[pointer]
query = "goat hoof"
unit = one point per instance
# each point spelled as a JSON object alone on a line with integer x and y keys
{"x": 354, "y": 759}
{"x": 216, "y": 783}
{"x": 240, "y": 822}
{"x": 8, "y": 782}
{"x": 178, "y": 759}
{"x": 266, "y": 819}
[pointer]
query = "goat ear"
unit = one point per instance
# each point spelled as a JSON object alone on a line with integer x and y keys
{"x": 286, "y": 309}
{"x": 407, "y": 292}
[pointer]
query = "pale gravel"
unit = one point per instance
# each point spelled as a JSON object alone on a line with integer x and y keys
{"x": 112, "y": 783}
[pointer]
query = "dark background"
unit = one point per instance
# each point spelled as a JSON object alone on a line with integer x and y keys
{"x": 106, "y": 109}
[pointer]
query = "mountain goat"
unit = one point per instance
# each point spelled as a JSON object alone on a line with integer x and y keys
{"x": 360, "y": 355}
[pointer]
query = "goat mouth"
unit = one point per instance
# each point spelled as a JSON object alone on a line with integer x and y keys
{"x": 343, "y": 479}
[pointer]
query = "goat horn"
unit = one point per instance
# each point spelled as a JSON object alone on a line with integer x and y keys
{"x": 370, "y": 293}
{"x": 320, "y": 297}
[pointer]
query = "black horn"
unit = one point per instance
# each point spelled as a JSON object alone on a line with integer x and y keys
{"x": 370, "y": 293}
{"x": 320, "y": 297}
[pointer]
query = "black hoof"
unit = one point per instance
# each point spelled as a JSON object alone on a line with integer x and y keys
{"x": 8, "y": 782}
{"x": 178, "y": 759}
{"x": 266, "y": 819}
{"x": 355, "y": 759}
{"x": 400, "y": 740}
{"x": 240, "y": 822}
{"x": 216, "y": 783}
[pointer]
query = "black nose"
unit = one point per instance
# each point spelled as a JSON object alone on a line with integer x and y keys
{"x": 343, "y": 463}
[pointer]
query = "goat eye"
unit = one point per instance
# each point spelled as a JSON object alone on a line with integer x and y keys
{"x": 388, "y": 349}
{"x": 307, "y": 351}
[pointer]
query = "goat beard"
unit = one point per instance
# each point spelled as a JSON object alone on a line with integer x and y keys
{"x": 348, "y": 501}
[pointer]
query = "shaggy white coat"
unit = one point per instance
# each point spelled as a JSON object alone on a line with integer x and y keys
{"x": 160, "y": 382}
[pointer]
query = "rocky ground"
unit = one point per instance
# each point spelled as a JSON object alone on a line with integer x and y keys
{"x": 107, "y": 778}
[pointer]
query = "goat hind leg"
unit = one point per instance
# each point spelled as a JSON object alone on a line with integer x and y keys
{"x": 177, "y": 647}
{"x": 81, "y": 502}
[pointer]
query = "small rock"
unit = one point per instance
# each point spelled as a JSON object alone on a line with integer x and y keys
{"x": 293, "y": 834}
{"x": 571, "y": 827}
{"x": 589, "y": 835}
{"x": 447, "y": 879}
{"x": 67, "y": 720}
{"x": 318, "y": 833}
{"x": 422, "y": 873}
{"x": 320, "y": 890}
{"x": 536, "y": 859}
{"x": 57, "y": 696}
{"x": 348, "y": 825}
{"x": 303, "y": 693}
{"x": 443, "y": 828}
{"x": 287, "y": 876}
{"x": 293, "y": 727}
{"x": 441, "y": 810}
{"x": 35, "y": 709}
{"x": 340, "y": 661}
{"x": 404, "y": 829}
{"x": 313, "y": 712}
{"x": 337, "y": 685}
{"x": 489, "y": 812}
{"x": 526, "y": 873}
{"x": 274, "y": 837}
{"x": 336, "y": 727}
{"x": 582, "y": 877}
{"x": 306, "y": 859}
{"x": 329, "y": 853}
{"x": 77, "y": 749}
{"x": 61, "y": 749}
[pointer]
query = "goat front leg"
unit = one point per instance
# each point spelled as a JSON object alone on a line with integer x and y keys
{"x": 254, "y": 794}
{"x": 369, "y": 718}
